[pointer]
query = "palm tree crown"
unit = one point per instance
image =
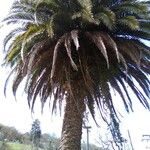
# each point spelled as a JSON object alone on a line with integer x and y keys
{"x": 82, "y": 48}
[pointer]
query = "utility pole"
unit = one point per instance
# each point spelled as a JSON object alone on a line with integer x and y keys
{"x": 87, "y": 130}
{"x": 130, "y": 140}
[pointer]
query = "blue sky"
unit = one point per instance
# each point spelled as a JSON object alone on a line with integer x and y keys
{"x": 17, "y": 114}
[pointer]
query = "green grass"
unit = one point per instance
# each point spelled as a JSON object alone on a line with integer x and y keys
{"x": 17, "y": 146}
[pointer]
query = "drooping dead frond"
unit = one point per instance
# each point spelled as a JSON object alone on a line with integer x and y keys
{"x": 98, "y": 41}
{"x": 74, "y": 36}
{"x": 68, "y": 48}
{"x": 131, "y": 50}
{"x": 60, "y": 41}
{"x": 112, "y": 44}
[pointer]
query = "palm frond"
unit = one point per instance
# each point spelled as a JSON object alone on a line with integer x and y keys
{"x": 18, "y": 18}
{"x": 140, "y": 96}
{"x": 144, "y": 25}
{"x": 57, "y": 46}
{"x": 68, "y": 49}
{"x": 131, "y": 7}
{"x": 98, "y": 41}
{"x": 106, "y": 16}
{"x": 11, "y": 36}
{"x": 86, "y": 13}
{"x": 129, "y": 21}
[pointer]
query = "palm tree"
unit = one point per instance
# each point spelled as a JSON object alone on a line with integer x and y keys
{"x": 76, "y": 51}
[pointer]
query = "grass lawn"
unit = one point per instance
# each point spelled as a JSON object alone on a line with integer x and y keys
{"x": 17, "y": 146}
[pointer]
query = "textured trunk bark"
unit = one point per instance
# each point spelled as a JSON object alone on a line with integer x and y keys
{"x": 72, "y": 125}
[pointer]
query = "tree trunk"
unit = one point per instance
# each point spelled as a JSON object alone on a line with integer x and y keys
{"x": 72, "y": 124}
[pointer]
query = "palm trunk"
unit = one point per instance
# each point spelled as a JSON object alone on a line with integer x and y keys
{"x": 72, "y": 124}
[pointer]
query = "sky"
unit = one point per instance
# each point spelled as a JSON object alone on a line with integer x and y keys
{"x": 16, "y": 112}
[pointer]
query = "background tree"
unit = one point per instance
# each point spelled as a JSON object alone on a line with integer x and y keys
{"x": 53, "y": 143}
{"x": 9, "y": 134}
{"x": 26, "y": 139}
{"x": 35, "y": 133}
{"x": 77, "y": 51}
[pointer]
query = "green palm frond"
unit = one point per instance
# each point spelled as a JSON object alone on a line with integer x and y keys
{"x": 11, "y": 36}
{"x": 144, "y": 25}
{"x": 13, "y": 55}
{"x": 32, "y": 30}
{"x": 14, "y": 51}
{"x": 23, "y": 43}
{"x": 21, "y": 12}
{"x": 27, "y": 6}
{"x": 44, "y": 11}
{"x": 53, "y": 5}
{"x": 86, "y": 11}
{"x": 106, "y": 16}
{"x": 50, "y": 28}
{"x": 19, "y": 17}
{"x": 131, "y": 7}
{"x": 129, "y": 21}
